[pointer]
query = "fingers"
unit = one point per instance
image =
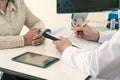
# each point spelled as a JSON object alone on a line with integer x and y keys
{"x": 84, "y": 37}
{"x": 34, "y": 37}
{"x": 58, "y": 41}
{"x": 37, "y": 36}
{"x": 79, "y": 30}
{"x": 62, "y": 38}
{"x": 79, "y": 33}
{"x": 38, "y": 41}
{"x": 37, "y": 30}
{"x": 78, "y": 24}
{"x": 33, "y": 28}
{"x": 62, "y": 44}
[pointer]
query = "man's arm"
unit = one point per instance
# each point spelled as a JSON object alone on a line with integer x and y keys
{"x": 33, "y": 23}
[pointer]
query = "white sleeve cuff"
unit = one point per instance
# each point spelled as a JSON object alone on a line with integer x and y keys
{"x": 68, "y": 55}
{"x": 106, "y": 36}
{"x": 19, "y": 41}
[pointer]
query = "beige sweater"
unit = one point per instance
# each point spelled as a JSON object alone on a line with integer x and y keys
{"x": 12, "y": 22}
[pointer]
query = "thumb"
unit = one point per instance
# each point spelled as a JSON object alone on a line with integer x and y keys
{"x": 33, "y": 28}
{"x": 61, "y": 37}
{"x": 78, "y": 24}
{"x": 79, "y": 28}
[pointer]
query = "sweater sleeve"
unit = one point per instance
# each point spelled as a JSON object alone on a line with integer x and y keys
{"x": 31, "y": 20}
{"x": 11, "y": 41}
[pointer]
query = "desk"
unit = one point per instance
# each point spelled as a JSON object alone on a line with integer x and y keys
{"x": 58, "y": 71}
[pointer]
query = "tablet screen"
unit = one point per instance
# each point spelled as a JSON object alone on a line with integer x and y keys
{"x": 35, "y": 59}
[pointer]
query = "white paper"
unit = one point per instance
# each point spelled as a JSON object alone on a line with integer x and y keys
{"x": 62, "y": 30}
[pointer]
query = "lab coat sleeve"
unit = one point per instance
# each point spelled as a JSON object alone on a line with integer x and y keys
{"x": 105, "y": 36}
{"x": 102, "y": 63}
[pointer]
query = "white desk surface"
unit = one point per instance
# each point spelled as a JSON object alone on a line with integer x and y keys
{"x": 58, "y": 71}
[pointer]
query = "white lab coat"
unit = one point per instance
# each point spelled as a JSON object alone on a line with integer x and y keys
{"x": 103, "y": 63}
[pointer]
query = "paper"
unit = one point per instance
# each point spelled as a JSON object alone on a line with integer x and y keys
{"x": 62, "y": 30}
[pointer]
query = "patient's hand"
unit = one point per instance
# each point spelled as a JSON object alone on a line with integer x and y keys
{"x": 34, "y": 37}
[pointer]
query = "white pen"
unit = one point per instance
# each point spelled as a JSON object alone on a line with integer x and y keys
{"x": 83, "y": 24}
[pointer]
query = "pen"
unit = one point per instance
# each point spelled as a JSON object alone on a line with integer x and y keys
{"x": 48, "y": 35}
{"x": 82, "y": 25}
{"x": 75, "y": 46}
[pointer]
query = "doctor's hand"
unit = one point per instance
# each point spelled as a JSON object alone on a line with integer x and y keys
{"x": 86, "y": 32}
{"x": 62, "y": 44}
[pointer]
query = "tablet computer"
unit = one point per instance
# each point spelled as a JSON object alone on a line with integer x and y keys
{"x": 35, "y": 59}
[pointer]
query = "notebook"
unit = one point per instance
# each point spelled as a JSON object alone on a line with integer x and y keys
{"x": 62, "y": 30}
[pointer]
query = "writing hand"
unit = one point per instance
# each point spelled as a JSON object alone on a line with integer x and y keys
{"x": 62, "y": 44}
{"x": 86, "y": 32}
